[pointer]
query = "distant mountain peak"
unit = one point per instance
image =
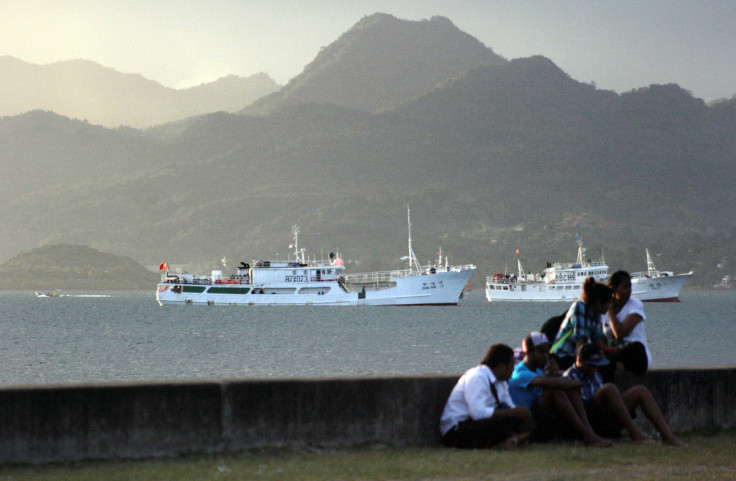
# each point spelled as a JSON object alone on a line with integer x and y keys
{"x": 383, "y": 61}
{"x": 379, "y": 19}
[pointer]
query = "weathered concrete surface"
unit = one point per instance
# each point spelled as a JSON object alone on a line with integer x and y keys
{"x": 72, "y": 422}
{"x": 59, "y": 423}
{"x": 690, "y": 398}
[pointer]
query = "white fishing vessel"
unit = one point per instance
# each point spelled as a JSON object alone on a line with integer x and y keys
{"x": 47, "y": 294}
{"x": 304, "y": 281}
{"x": 726, "y": 283}
{"x": 558, "y": 282}
{"x": 654, "y": 285}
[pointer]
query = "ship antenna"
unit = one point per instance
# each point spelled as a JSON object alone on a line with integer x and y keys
{"x": 295, "y": 230}
{"x": 581, "y": 250}
{"x": 413, "y": 262}
{"x": 652, "y": 271}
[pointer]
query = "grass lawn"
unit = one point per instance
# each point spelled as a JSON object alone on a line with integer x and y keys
{"x": 707, "y": 457}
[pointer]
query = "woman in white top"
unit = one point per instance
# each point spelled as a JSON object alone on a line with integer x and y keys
{"x": 624, "y": 329}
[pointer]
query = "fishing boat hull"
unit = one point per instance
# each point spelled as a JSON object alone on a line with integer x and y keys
{"x": 646, "y": 289}
{"x": 564, "y": 283}
{"x": 527, "y": 292}
{"x": 659, "y": 289}
{"x": 432, "y": 289}
{"x": 557, "y": 283}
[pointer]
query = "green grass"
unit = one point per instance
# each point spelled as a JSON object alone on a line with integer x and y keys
{"x": 708, "y": 457}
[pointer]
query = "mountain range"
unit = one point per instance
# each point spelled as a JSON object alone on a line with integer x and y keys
{"x": 492, "y": 155}
{"x": 86, "y": 90}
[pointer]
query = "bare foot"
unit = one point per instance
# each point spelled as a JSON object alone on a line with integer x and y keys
{"x": 513, "y": 442}
{"x": 673, "y": 441}
{"x": 598, "y": 442}
{"x": 507, "y": 445}
{"x": 522, "y": 439}
{"x": 645, "y": 440}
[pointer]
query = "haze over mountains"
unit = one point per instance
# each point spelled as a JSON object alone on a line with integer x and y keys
{"x": 492, "y": 155}
{"x": 85, "y": 90}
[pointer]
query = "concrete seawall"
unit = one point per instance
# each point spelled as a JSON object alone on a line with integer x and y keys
{"x": 60, "y": 423}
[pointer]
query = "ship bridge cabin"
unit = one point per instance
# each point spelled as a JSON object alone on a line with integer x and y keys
{"x": 576, "y": 273}
{"x": 269, "y": 272}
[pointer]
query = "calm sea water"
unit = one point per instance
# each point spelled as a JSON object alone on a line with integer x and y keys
{"x": 127, "y": 336}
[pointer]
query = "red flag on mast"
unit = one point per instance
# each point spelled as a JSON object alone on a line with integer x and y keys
{"x": 163, "y": 267}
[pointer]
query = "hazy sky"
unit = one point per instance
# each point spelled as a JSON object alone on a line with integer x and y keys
{"x": 619, "y": 44}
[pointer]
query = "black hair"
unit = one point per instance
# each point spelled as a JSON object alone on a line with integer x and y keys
{"x": 594, "y": 291}
{"x": 498, "y": 354}
{"x": 618, "y": 278}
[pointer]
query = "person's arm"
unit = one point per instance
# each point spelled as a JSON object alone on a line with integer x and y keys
{"x": 513, "y": 411}
{"x": 552, "y": 368}
{"x": 481, "y": 403}
{"x": 548, "y": 382}
{"x": 518, "y": 412}
{"x": 577, "y": 321}
{"x": 622, "y": 329}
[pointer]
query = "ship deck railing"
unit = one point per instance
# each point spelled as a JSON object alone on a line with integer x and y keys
{"x": 584, "y": 265}
{"x": 378, "y": 276}
{"x": 644, "y": 274}
{"x": 516, "y": 280}
{"x": 385, "y": 276}
{"x": 204, "y": 281}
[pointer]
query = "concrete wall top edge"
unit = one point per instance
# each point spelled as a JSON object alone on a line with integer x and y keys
{"x": 212, "y": 382}
{"x": 216, "y": 382}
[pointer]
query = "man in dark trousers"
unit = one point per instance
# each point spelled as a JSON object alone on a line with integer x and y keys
{"x": 479, "y": 412}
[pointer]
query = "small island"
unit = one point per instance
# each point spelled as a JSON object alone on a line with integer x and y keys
{"x": 73, "y": 267}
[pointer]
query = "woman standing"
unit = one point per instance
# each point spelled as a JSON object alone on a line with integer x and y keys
{"x": 582, "y": 323}
{"x": 624, "y": 328}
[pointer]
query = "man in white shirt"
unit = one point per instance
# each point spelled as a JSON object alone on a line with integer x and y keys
{"x": 480, "y": 412}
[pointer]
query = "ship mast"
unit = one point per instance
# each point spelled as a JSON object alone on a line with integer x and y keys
{"x": 581, "y": 250}
{"x": 298, "y": 255}
{"x": 651, "y": 270}
{"x": 413, "y": 262}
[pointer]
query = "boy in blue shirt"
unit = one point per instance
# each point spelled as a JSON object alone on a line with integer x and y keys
{"x": 555, "y": 402}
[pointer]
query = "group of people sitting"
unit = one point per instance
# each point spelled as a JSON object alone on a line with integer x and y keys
{"x": 562, "y": 388}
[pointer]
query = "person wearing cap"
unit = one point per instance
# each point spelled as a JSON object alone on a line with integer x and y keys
{"x": 582, "y": 323}
{"x": 555, "y": 402}
{"x": 609, "y": 411}
{"x": 479, "y": 412}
